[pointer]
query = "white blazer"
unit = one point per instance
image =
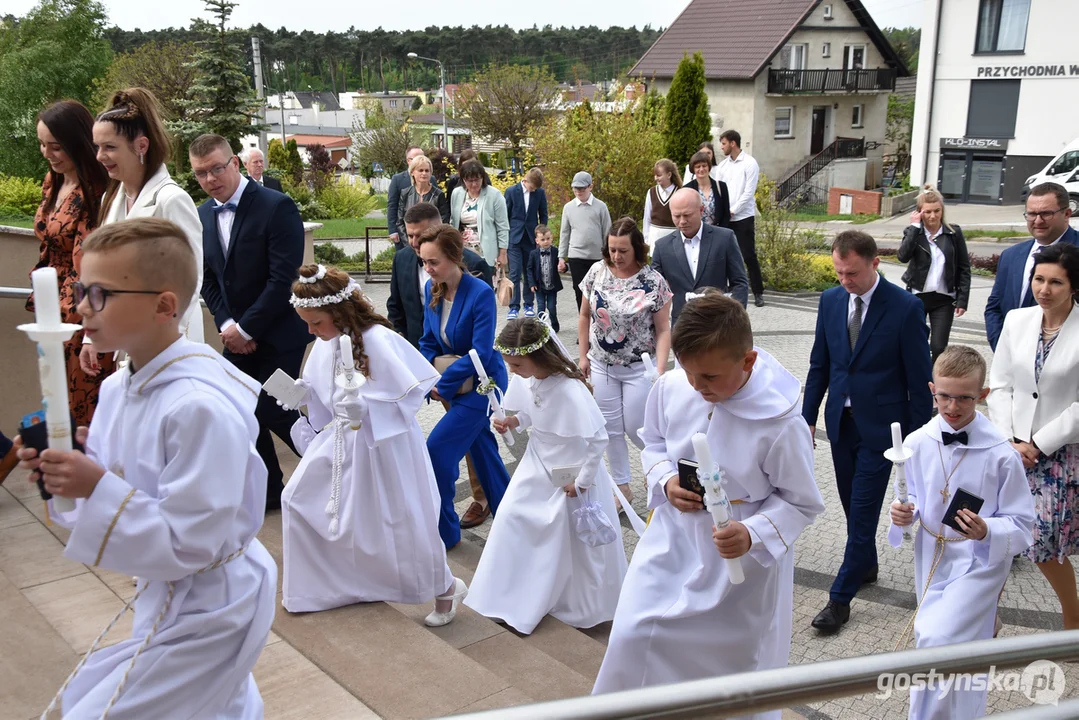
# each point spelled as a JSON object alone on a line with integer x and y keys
{"x": 493, "y": 221}
{"x": 1046, "y": 411}
{"x": 161, "y": 197}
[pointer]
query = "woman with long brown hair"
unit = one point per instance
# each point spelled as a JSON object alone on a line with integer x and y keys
{"x": 369, "y": 534}
{"x": 71, "y": 198}
{"x": 460, "y": 315}
{"x": 133, "y": 146}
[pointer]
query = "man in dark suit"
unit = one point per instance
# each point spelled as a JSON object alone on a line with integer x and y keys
{"x": 871, "y": 354}
{"x": 526, "y": 207}
{"x": 698, "y": 255}
{"x": 252, "y": 246}
{"x": 399, "y": 182}
{"x": 255, "y": 164}
{"x": 1047, "y": 214}
{"x": 404, "y": 308}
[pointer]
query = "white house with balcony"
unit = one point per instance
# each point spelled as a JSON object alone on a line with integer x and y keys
{"x": 998, "y": 90}
{"x": 805, "y": 83}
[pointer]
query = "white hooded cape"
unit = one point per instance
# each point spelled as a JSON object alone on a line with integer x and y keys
{"x": 679, "y": 618}
{"x": 387, "y": 546}
{"x": 960, "y": 604}
{"x": 184, "y": 490}
{"x": 533, "y": 563}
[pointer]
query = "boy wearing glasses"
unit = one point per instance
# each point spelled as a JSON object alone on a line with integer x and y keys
{"x": 958, "y": 574}
{"x": 170, "y": 489}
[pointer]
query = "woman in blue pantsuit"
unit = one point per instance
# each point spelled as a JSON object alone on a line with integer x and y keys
{"x": 459, "y": 315}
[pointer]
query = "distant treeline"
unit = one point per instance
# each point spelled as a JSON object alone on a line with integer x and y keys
{"x": 372, "y": 60}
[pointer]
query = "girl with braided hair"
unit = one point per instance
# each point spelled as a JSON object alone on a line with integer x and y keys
{"x": 133, "y": 146}
{"x": 360, "y": 514}
{"x": 553, "y": 549}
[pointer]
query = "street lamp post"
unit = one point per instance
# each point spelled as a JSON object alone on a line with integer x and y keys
{"x": 442, "y": 80}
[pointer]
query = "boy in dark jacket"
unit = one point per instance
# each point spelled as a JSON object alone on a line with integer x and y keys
{"x": 542, "y": 276}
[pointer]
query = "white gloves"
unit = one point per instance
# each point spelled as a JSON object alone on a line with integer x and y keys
{"x": 352, "y": 407}
{"x": 300, "y": 384}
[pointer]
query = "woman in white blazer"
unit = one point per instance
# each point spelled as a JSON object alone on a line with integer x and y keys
{"x": 133, "y": 145}
{"x": 478, "y": 207}
{"x": 1034, "y": 399}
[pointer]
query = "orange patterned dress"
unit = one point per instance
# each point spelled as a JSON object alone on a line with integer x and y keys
{"x": 61, "y": 232}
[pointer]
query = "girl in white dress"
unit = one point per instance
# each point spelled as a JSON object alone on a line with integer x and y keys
{"x": 534, "y": 562}
{"x": 360, "y": 514}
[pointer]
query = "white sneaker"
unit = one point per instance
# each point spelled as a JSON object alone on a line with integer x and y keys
{"x": 438, "y": 619}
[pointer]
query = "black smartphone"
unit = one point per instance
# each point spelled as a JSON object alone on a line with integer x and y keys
{"x": 36, "y": 436}
{"x": 962, "y": 500}
{"x": 687, "y": 477}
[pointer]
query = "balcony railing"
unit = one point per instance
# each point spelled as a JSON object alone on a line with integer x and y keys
{"x": 815, "y": 82}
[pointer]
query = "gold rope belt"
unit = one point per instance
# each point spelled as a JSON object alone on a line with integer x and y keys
{"x": 938, "y": 555}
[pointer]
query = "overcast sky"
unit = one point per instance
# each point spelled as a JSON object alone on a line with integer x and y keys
{"x": 323, "y": 15}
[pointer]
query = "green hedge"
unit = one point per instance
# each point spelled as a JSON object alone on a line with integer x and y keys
{"x": 19, "y": 196}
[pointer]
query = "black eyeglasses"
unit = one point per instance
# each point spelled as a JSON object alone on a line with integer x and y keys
{"x": 98, "y": 295}
{"x": 216, "y": 171}
{"x": 1045, "y": 215}
{"x": 944, "y": 399}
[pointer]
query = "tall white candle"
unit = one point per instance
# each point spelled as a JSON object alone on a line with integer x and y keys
{"x": 347, "y": 358}
{"x": 496, "y": 407}
{"x": 716, "y": 497}
{"x": 899, "y": 455}
{"x": 50, "y": 333}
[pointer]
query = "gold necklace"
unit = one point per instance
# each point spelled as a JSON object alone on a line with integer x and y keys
{"x": 944, "y": 494}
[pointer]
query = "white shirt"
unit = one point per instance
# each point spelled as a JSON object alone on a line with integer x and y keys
{"x": 693, "y": 249}
{"x": 1029, "y": 267}
{"x": 424, "y": 277}
{"x": 865, "y": 309}
{"x": 741, "y": 176}
{"x": 527, "y": 194}
{"x": 225, "y": 218}
{"x": 586, "y": 202}
{"x": 447, "y": 308}
{"x": 934, "y": 279}
{"x": 664, "y": 196}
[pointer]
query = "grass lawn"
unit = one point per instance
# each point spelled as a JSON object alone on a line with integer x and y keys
{"x": 1015, "y": 232}
{"x": 860, "y": 219}
{"x": 17, "y": 222}
{"x": 350, "y": 228}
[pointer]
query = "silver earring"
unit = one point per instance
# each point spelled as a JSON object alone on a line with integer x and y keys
{"x": 141, "y": 160}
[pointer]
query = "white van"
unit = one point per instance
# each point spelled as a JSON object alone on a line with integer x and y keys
{"x": 1063, "y": 169}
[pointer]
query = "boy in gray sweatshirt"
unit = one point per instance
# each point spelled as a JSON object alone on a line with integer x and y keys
{"x": 585, "y": 224}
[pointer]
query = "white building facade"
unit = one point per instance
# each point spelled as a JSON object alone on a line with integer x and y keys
{"x": 997, "y": 96}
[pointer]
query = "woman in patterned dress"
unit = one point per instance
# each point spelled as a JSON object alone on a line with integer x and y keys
{"x": 71, "y": 198}
{"x": 1034, "y": 399}
{"x": 625, "y": 312}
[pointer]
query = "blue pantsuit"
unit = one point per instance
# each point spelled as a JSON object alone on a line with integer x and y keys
{"x": 466, "y": 427}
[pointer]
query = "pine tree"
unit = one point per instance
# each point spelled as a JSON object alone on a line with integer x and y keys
{"x": 222, "y": 100}
{"x": 277, "y": 156}
{"x": 294, "y": 164}
{"x": 686, "y": 111}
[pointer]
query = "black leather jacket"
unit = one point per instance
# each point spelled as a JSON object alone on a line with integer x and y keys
{"x": 915, "y": 251}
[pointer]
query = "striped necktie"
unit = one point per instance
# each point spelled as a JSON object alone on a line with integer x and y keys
{"x": 855, "y": 325}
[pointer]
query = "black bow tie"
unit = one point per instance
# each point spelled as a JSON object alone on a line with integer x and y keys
{"x": 227, "y": 206}
{"x": 959, "y": 437}
{"x": 545, "y": 252}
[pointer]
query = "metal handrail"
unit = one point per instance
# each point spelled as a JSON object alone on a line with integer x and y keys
{"x": 796, "y": 684}
{"x": 14, "y": 293}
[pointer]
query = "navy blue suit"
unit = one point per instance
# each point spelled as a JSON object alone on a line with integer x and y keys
{"x": 1009, "y": 281}
{"x": 252, "y": 286}
{"x": 523, "y": 236}
{"x": 465, "y": 428}
{"x": 886, "y": 377}
{"x": 546, "y": 298}
{"x": 398, "y": 182}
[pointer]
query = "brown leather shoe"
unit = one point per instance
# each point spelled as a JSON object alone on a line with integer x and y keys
{"x": 475, "y": 515}
{"x": 7, "y": 464}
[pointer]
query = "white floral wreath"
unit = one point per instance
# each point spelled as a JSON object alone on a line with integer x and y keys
{"x": 314, "y": 302}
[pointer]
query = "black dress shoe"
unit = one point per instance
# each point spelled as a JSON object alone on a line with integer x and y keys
{"x": 871, "y": 576}
{"x": 832, "y": 617}
{"x": 758, "y": 300}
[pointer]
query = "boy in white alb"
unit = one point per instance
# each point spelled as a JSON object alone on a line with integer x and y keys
{"x": 170, "y": 489}
{"x": 679, "y": 617}
{"x": 958, "y": 576}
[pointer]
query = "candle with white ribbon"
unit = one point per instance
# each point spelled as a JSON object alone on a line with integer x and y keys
{"x": 50, "y": 335}
{"x": 899, "y": 456}
{"x": 349, "y": 379}
{"x": 649, "y": 368}
{"x": 496, "y": 407}
{"x": 716, "y": 497}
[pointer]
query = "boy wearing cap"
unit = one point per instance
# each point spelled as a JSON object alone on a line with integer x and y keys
{"x": 585, "y": 224}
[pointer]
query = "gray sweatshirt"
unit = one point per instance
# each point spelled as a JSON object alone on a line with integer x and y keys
{"x": 584, "y": 228}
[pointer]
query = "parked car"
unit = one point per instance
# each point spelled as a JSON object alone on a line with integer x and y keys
{"x": 1061, "y": 169}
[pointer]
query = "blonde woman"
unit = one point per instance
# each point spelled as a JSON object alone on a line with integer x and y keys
{"x": 657, "y": 210}
{"x": 422, "y": 189}
{"x": 938, "y": 269}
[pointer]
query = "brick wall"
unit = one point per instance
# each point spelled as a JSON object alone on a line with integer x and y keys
{"x": 866, "y": 202}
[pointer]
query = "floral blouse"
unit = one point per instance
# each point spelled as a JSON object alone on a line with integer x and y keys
{"x": 622, "y": 326}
